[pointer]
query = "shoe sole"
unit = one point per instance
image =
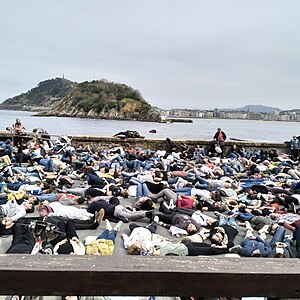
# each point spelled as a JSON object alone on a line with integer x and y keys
{"x": 101, "y": 215}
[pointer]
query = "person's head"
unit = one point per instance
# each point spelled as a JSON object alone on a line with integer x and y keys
{"x": 147, "y": 204}
{"x": 114, "y": 201}
{"x": 45, "y": 186}
{"x": 195, "y": 202}
{"x": 227, "y": 185}
{"x": 217, "y": 238}
{"x": 215, "y": 195}
{"x": 80, "y": 199}
{"x": 198, "y": 206}
{"x": 219, "y": 129}
{"x": 18, "y": 121}
{"x": 43, "y": 204}
{"x": 191, "y": 229}
{"x": 211, "y": 223}
{"x": 134, "y": 249}
{"x": 124, "y": 193}
{"x": 275, "y": 216}
{"x": 219, "y": 206}
{"x": 186, "y": 240}
{"x": 29, "y": 207}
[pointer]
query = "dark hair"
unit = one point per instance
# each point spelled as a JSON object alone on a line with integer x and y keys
{"x": 279, "y": 255}
{"x": 147, "y": 205}
{"x": 46, "y": 186}
{"x": 114, "y": 201}
{"x": 80, "y": 200}
{"x": 198, "y": 206}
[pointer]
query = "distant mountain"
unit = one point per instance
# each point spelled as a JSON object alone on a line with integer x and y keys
{"x": 45, "y": 95}
{"x": 259, "y": 108}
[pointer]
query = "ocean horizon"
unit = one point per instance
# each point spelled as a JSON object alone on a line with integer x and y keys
{"x": 200, "y": 129}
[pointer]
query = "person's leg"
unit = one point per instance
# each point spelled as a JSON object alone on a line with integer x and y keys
{"x": 132, "y": 226}
{"x": 23, "y": 240}
{"x": 49, "y": 167}
{"x": 139, "y": 190}
{"x": 222, "y": 220}
{"x": 103, "y": 235}
{"x": 196, "y": 249}
{"x": 165, "y": 193}
{"x": 169, "y": 195}
{"x": 297, "y": 238}
{"x": 245, "y": 216}
{"x": 184, "y": 191}
{"x": 86, "y": 224}
{"x": 152, "y": 227}
{"x": 48, "y": 197}
{"x": 112, "y": 236}
{"x": 201, "y": 182}
{"x": 77, "y": 191}
{"x": 145, "y": 190}
{"x": 278, "y": 236}
{"x": 121, "y": 211}
{"x": 232, "y": 222}
{"x": 166, "y": 218}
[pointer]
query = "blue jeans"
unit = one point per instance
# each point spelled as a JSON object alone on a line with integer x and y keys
{"x": 107, "y": 235}
{"x": 183, "y": 191}
{"x": 278, "y": 236}
{"x": 230, "y": 222}
{"x": 245, "y": 216}
{"x": 48, "y": 197}
{"x": 200, "y": 183}
{"x": 142, "y": 189}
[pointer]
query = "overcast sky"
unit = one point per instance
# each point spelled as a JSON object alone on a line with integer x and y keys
{"x": 178, "y": 54}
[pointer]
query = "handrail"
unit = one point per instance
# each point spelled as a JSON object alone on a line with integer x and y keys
{"x": 145, "y": 276}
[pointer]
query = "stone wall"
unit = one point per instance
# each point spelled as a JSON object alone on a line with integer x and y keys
{"x": 138, "y": 143}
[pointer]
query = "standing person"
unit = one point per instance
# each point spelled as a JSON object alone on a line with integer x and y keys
{"x": 220, "y": 137}
{"x": 18, "y": 130}
{"x": 295, "y": 146}
{"x": 18, "y": 127}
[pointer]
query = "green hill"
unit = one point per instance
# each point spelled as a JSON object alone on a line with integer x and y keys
{"x": 91, "y": 99}
{"x": 46, "y": 94}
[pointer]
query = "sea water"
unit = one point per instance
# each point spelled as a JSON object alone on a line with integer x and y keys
{"x": 200, "y": 129}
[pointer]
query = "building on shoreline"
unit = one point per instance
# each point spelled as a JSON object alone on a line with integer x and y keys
{"x": 286, "y": 116}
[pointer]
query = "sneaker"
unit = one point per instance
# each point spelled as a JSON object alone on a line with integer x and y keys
{"x": 219, "y": 215}
{"x": 235, "y": 249}
{"x": 100, "y": 216}
{"x": 263, "y": 236}
{"x": 108, "y": 225}
{"x": 264, "y": 230}
{"x": 273, "y": 228}
{"x": 150, "y": 214}
{"x": 156, "y": 219}
{"x": 118, "y": 226}
{"x": 289, "y": 236}
{"x": 248, "y": 226}
{"x": 293, "y": 208}
{"x": 165, "y": 205}
{"x": 172, "y": 205}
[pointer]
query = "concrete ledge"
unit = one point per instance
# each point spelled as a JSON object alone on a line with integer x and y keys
{"x": 144, "y": 276}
